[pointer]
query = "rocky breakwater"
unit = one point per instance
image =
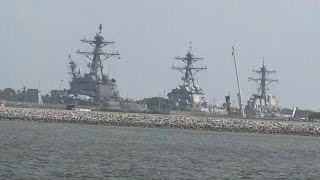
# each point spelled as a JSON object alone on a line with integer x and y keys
{"x": 177, "y": 122}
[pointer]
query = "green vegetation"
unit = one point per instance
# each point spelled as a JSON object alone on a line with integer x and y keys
{"x": 46, "y": 99}
{"x": 8, "y": 94}
{"x": 314, "y": 116}
{"x": 153, "y": 103}
{"x": 299, "y": 113}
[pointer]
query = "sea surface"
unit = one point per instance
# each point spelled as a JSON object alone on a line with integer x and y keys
{"x": 31, "y": 150}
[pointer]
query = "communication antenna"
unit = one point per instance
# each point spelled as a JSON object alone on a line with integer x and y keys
{"x": 263, "y": 81}
{"x": 97, "y": 55}
{"x": 100, "y": 27}
{"x": 188, "y": 70}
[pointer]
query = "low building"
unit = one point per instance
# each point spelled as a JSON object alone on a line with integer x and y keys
{"x": 30, "y": 95}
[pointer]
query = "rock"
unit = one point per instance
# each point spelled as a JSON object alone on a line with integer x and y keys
{"x": 143, "y": 120}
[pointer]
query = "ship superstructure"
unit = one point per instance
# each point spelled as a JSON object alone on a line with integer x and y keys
{"x": 94, "y": 84}
{"x": 188, "y": 96}
{"x": 262, "y": 104}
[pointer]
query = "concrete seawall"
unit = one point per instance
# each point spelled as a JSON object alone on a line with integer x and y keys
{"x": 162, "y": 121}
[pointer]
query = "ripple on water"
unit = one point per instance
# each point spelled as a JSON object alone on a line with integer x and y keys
{"x": 50, "y": 151}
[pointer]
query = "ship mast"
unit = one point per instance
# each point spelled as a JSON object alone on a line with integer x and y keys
{"x": 263, "y": 81}
{"x": 189, "y": 70}
{"x": 97, "y": 55}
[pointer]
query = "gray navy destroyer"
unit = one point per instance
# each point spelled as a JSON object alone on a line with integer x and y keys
{"x": 95, "y": 85}
{"x": 263, "y": 105}
{"x": 188, "y": 96}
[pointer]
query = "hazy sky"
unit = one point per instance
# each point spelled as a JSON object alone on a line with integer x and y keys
{"x": 37, "y": 36}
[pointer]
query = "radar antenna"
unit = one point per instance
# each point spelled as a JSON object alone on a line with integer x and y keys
{"x": 263, "y": 81}
{"x": 100, "y": 27}
{"x": 97, "y": 55}
{"x": 189, "y": 70}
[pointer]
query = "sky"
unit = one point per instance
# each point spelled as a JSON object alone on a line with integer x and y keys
{"x": 38, "y": 35}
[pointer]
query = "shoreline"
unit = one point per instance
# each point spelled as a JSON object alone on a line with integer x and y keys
{"x": 218, "y": 124}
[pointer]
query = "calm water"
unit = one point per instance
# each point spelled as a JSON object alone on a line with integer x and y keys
{"x": 53, "y": 151}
